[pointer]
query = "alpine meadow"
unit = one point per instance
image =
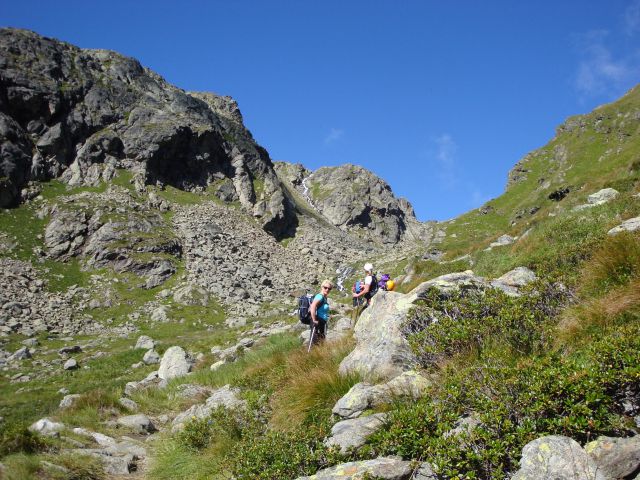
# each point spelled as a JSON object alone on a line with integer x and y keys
{"x": 152, "y": 256}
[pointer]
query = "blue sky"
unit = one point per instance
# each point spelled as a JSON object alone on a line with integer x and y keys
{"x": 439, "y": 98}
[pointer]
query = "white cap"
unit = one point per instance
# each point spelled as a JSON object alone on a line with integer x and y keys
{"x": 368, "y": 267}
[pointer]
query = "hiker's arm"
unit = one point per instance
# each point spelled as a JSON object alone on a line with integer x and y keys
{"x": 313, "y": 309}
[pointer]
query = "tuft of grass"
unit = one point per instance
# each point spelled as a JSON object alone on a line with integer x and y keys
{"x": 613, "y": 264}
{"x": 312, "y": 387}
{"x": 609, "y": 289}
{"x": 92, "y": 408}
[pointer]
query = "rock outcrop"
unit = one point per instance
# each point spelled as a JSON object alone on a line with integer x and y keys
{"x": 80, "y": 115}
{"x": 355, "y": 200}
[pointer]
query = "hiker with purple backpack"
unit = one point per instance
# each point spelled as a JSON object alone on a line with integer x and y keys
{"x": 369, "y": 288}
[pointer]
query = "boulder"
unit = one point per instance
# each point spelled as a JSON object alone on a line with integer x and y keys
{"x": 511, "y": 281}
{"x": 354, "y": 402}
{"x": 384, "y": 468}
{"x": 69, "y": 400}
{"x": 363, "y": 395}
{"x": 151, "y": 381}
{"x": 502, "y": 241}
{"x": 191, "y": 295}
{"x": 616, "y": 457}
{"x": 630, "y": 225}
{"x": 151, "y": 357}
{"x": 381, "y": 350}
{"x": 139, "y": 423}
{"x": 145, "y": 342}
{"x": 557, "y": 457}
{"x": 353, "y": 433}
{"x": 175, "y": 363}
{"x": 603, "y": 196}
{"x": 71, "y": 364}
{"x": 48, "y": 427}
{"x": 226, "y": 397}
{"x": 21, "y": 354}
{"x": 128, "y": 404}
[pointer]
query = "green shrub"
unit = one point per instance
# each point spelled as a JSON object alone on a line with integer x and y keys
{"x": 516, "y": 400}
{"x": 441, "y": 326}
{"x": 288, "y": 454}
{"x": 18, "y": 438}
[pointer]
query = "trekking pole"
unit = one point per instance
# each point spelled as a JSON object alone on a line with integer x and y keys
{"x": 313, "y": 331}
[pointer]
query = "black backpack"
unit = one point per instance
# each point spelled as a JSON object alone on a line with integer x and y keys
{"x": 304, "y": 308}
{"x": 373, "y": 289}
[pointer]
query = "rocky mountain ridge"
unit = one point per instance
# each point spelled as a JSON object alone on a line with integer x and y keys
{"x": 80, "y": 114}
{"x": 357, "y": 201}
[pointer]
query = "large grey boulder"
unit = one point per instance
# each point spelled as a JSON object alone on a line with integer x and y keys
{"x": 381, "y": 350}
{"x": 384, "y": 468}
{"x": 48, "y": 427}
{"x": 151, "y": 357}
{"x": 602, "y": 196}
{"x": 145, "y": 342}
{"x": 191, "y": 295}
{"x": 556, "y": 457}
{"x": 511, "y": 281}
{"x": 630, "y": 225}
{"x": 69, "y": 400}
{"x": 353, "y": 433}
{"x": 226, "y": 397}
{"x": 363, "y": 395}
{"x": 502, "y": 241}
{"x": 175, "y": 363}
{"x": 150, "y": 381}
{"x": 616, "y": 457}
{"x": 139, "y": 423}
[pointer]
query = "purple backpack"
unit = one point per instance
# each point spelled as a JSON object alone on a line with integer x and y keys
{"x": 382, "y": 284}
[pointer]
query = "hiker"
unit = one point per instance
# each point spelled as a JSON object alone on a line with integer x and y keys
{"x": 320, "y": 312}
{"x": 357, "y": 288}
{"x": 370, "y": 285}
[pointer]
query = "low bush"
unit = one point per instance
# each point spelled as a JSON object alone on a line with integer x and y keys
{"x": 18, "y": 438}
{"x": 297, "y": 452}
{"x": 516, "y": 400}
{"x": 441, "y": 326}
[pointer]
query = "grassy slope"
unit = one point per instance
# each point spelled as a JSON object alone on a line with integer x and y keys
{"x": 598, "y": 150}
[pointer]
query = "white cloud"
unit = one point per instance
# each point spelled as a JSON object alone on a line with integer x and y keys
{"x": 599, "y": 71}
{"x": 632, "y": 18}
{"x": 446, "y": 162}
{"x": 477, "y": 198}
{"x": 333, "y": 136}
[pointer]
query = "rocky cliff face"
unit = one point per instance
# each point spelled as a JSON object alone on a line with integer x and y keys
{"x": 80, "y": 115}
{"x": 355, "y": 200}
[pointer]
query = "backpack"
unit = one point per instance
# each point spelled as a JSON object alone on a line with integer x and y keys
{"x": 374, "y": 286}
{"x": 304, "y": 308}
{"x": 357, "y": 287}
{"x": 383, "y": 281}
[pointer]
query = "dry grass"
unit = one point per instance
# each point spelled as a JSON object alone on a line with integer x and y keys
{"x": 615, "y": 263}
{"x": 600, "y": 313}
{"x": 312, "y": 384}
{"x": 610, "y": 289}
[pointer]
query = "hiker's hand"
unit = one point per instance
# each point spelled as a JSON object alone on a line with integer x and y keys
{"x": 315, "y": 322}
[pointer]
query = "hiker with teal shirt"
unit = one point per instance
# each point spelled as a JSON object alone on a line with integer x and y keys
{"x": 320, "y": 313}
